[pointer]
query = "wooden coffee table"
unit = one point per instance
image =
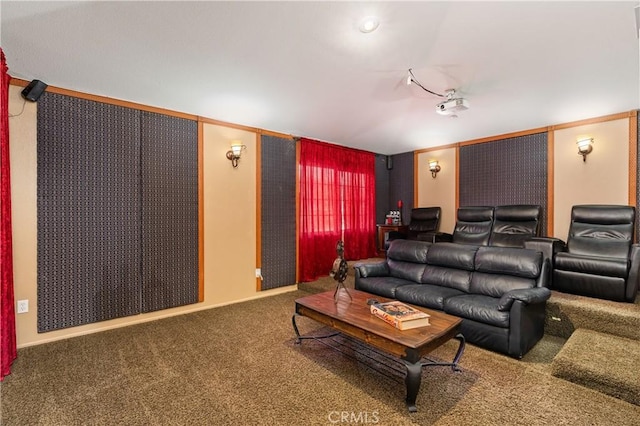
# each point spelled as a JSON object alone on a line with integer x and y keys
{"x": 350, "y": 314}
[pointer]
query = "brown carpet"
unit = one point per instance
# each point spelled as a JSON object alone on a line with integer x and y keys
{"x": 602, "y": 362}
{"x": 567, "y": 312}
{"x": 239, "y": 365}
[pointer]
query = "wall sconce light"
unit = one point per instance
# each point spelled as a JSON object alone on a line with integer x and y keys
{"x": 235, "y": 152}
{"x": 434, "y": 168}
{"x": 584, "y": 147}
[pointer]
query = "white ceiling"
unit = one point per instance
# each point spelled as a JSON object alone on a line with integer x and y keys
{"x": 304, "y": 68}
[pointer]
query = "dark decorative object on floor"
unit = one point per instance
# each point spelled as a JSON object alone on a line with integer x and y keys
{"x": 339, "y": 270}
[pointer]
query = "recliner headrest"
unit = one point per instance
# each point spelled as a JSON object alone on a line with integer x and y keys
{"x": 425, "y": 213}
{"x": 475, "y": 214}
{"x": 518, "y": 213}
{"x": 603, "y": 214}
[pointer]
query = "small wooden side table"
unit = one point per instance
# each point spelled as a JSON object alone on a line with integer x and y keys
{"x": 383, "y": 234}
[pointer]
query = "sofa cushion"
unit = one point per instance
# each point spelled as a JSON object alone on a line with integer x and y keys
{"x": 408, "y": 251}
{"x": 429, "y": 296}
{"x": 447, "y": 277}
{"x": 501, "y": 269}
{"x": 608, "y": 266}
{"x": 382, "y": 286}
{"x": 494, "y": 285}
{"x": 477, "y": 307}
{"x": 406, "y": 270}
{"x": 457, "y": 256}
{"x": 510, "y": 261}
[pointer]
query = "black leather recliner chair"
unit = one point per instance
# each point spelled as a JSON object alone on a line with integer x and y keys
{"x": 424, "y": 221}
{"x": 473, "y": 226}
{"x": 501, "y": 226}
{"x": 513, "y": 225}
{"x": 599, "y": 259}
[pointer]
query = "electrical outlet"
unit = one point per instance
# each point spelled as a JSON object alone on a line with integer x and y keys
{"x": 23, "y": 306}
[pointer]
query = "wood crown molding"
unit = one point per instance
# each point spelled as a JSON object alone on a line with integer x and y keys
{"x": 633, "y": 158}
{"x": 601, "y": 119}
{"x": 110, "y": 101}
{"x": 504, "y": 136}
{"x": 436, "y": 148}
{"x": 551, "y": 128}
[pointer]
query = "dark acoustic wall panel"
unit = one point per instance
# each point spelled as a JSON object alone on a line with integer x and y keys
{"x": 382, "y": 188}
{"x": 638, "y": 182}
{"x": 88, "y": 212}
{"x": 278, "y": 206}
{"x": 507, "y": 171}
{"x": 169, "y": 177}
{"x": 401, "y": 184}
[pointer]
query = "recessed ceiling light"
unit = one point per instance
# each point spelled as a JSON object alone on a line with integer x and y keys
{"x": 369, "y": 24}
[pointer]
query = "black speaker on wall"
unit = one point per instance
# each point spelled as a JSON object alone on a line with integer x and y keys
{"x": 34, "y": 90}
{"x": 389, "y": 162}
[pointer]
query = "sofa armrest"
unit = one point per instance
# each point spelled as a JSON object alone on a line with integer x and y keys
{"x": 634, "y": 274}
{"x": 548, "y": 246}
{"x": 364, "y": 270}
{"x": 526, "y": 295}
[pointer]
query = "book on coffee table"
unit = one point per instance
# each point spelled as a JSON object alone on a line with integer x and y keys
{"x": 400, "y": 315}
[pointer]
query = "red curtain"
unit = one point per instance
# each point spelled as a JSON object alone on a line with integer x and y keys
{"x": 359, "y": 195}
{"x": 7, "y": 313}
{"x": 337, "y": 201}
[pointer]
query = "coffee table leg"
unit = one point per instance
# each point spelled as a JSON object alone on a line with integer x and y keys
{"x": 413, "y": 379}
{"x": 414, "y": 371}
{"x": 456, "y": 359}
{"x": 295, "y": 329}
{"x": 300, "y": 338}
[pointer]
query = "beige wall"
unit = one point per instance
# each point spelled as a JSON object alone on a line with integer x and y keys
{"x": 230, "y": 216}
{"x": 602, "y": 179}
{"x": 440, "y": 191}
{"x": 22, "y": 152}
{"x": 230, "y": 226}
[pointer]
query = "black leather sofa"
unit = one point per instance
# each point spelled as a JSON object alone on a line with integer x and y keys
{"x": 500, "y": 293}
{"x": 599, "y": 258}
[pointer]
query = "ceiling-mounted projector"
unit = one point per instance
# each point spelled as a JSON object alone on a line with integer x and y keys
{"x": 448, "y": 107}
{"x": 452, "y": 106}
